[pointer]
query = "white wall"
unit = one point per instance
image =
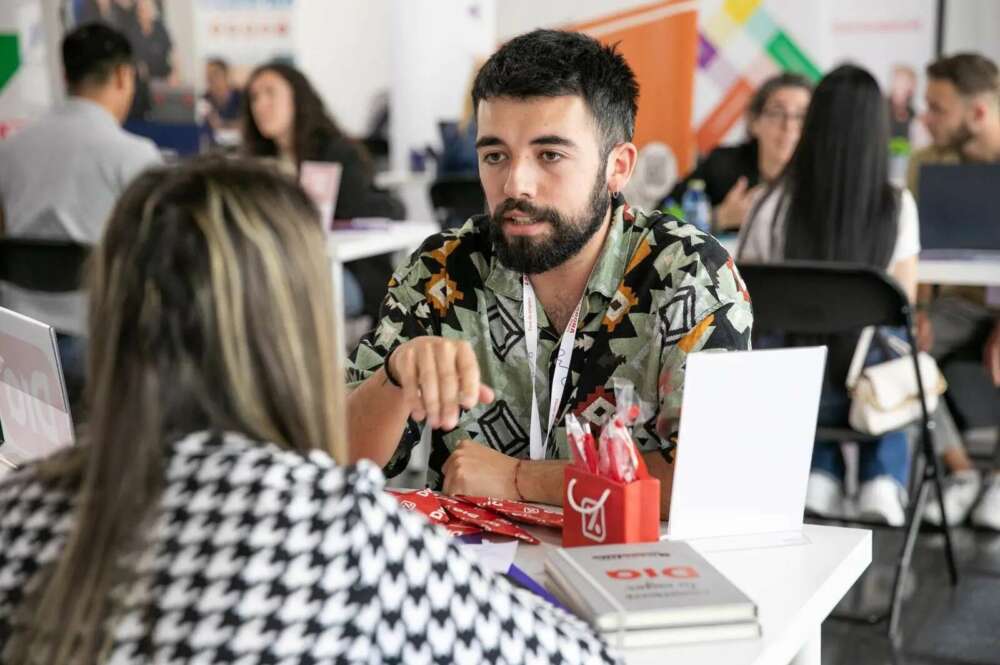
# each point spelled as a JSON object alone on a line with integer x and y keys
{"x": 973, "y": 25}
{"x": 344, "y": 47}
{"x": 179, "y": 18}
{"x": 33, "y": 86}
{"x": 434, "y": 45}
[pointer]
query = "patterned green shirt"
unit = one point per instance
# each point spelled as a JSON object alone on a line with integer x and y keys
{"x": 661, "y": 289}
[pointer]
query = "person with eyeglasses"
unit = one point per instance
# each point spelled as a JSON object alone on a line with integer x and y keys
{"x": 732, "y": 174}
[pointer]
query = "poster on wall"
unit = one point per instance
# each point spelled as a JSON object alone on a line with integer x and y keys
{"x": 894, "y": 40}
{"x": 164, "y": 85}
{"x": 742, "y": 43}
{"x": 25, "y": 89}
{"x": 245, "y": 33}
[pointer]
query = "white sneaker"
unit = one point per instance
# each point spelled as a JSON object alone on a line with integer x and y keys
{"x": 961, "y": 489}
{"x": 987, "y": 513}
{"x": 882, "y": 499}
{"x": 824, "y": 495}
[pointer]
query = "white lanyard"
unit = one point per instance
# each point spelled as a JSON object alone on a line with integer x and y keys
{"x": 559, "y": 377}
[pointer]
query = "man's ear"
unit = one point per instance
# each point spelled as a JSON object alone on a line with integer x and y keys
{"x": 621, "y": 164}
{"x": 123, "y": 75}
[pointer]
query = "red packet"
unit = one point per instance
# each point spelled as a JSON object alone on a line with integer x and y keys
{"x": 457, "y": 529}
{"x": 422, "y": 501}
{"x": 518, "y": 511}
{"x": 487, "y": 520}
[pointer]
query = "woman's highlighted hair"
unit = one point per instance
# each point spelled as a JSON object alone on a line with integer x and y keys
{"x": 210, "y": 310}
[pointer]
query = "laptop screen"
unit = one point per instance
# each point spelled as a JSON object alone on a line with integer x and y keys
{"x": 34, "y": 408}
{"x": 321, "y": 181}
{"x": 958, "y": 207}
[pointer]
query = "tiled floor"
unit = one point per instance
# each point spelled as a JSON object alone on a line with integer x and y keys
{"x": 941, "y": 625}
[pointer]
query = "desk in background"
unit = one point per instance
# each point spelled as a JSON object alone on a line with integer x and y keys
{"x": 956, "y": 272}
{"x": 353, "y": 244}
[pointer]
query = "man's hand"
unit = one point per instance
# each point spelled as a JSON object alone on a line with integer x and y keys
{"x": 991, "y": 355}
{"x": 729, "y": 214}
{"x": 480, "y": 471}
{"x": 925, "y": 332}
{"x": 438, "y": 376}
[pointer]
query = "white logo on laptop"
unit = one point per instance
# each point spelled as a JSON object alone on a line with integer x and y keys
{"x": 592, "y": 515}
{"x": 29, "y": 408}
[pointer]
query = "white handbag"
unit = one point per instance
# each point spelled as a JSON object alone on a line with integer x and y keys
{"x": 884, "y": 397}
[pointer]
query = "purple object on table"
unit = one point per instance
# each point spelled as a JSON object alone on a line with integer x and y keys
{"x": 522, "y": 578}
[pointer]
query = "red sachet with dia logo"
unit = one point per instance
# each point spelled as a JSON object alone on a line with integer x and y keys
{"x": 488, "y": 521}
{"x": 517, "y": 511}
{"x": 422, "y": 501}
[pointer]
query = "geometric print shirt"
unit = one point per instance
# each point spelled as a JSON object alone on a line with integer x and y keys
{"x": 262, "y": 555}
{"x": 660, "y": 290}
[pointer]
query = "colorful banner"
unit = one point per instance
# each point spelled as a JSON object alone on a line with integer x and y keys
{"x": 659, "y": 40}
{"x": 741, "y": 43}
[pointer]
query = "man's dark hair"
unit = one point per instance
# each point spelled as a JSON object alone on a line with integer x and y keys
{"x": 91, "y": 53}
{"x": 970, "y": 73}
{"x": 552, "y": 63}
{"x": 773, "y": 85}
{"x": 221, "y": 63}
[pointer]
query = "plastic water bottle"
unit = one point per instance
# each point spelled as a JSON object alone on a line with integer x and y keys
{"x": 695, "y": 205}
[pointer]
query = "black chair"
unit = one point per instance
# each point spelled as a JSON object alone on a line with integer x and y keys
{"x": 48, "y": 266}
{"x": 52, "y": 266}
{"x": 818, "y": 300}
{"x": 456, "y": 198}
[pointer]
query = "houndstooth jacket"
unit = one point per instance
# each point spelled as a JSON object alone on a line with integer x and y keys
{"x": 260, "y": 555}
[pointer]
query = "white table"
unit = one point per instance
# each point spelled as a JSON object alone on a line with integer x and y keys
{"x": 795, "y": 588}
{"x": 959, "y": 272}
{"x": 353, "y": 244}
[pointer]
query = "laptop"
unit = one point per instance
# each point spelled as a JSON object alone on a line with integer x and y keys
{"x": 748, "y": 421}
{"x": 171, "y": 104}
{"x": 34, "y": 407}
{"x": 958, "y": 211}
{"x": 321, "y": 180}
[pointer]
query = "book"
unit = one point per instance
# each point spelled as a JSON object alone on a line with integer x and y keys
{"x": 658, "y": 637}
{"x": 646, "y": 586}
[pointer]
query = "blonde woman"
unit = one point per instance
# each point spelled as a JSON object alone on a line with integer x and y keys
{"x": 206, "y": 519}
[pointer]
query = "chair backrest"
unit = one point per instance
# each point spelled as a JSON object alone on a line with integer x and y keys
{"x": 821, "y": 298}
{"x": 52, "y": 266}
{"x": 813, "y": 302}
{"x": 458, "y": 196}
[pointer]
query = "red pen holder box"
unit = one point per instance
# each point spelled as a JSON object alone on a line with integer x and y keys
{"x": 600, "y": 511}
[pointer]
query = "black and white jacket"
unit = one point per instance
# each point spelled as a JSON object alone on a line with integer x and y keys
{"x": 261, "y": 555}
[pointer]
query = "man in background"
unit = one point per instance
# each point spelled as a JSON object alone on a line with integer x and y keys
{"x": 963, "y": 118}
{"x": 963, "y": 114}
{"x": 61, "y": 176}
{"x": 225, "y": 100}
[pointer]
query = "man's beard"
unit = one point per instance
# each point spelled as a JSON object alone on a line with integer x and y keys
{"x": 567, "y": 237}
{"x": 960, "y": 137}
